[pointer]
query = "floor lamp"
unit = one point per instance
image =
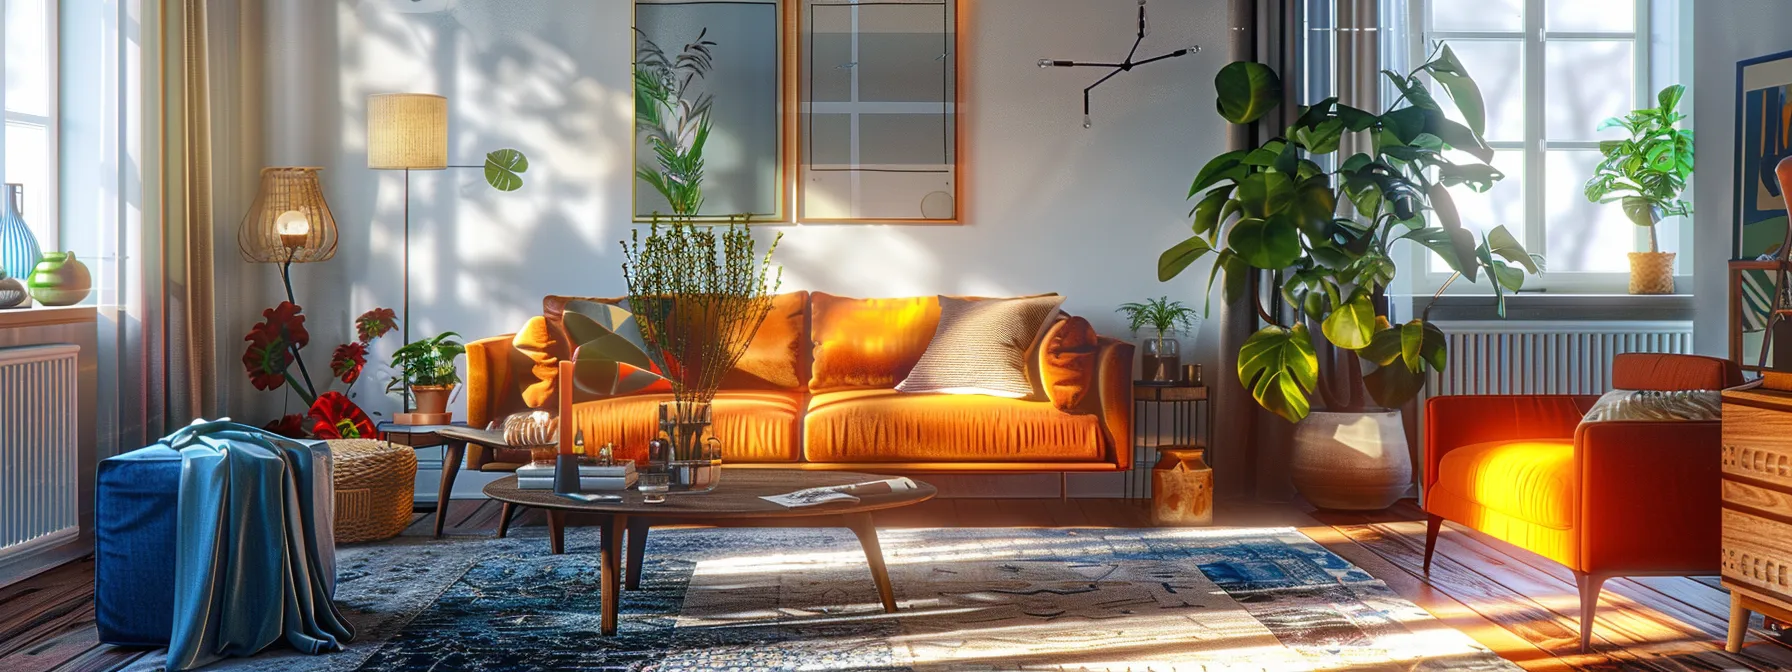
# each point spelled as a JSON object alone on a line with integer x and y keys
{"x": 407, "y": 131}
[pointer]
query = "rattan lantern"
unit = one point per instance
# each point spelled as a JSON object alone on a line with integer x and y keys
{"x": 289, "y": 222}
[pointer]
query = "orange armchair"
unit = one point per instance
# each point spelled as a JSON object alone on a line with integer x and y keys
{"x": 1605, "y": 499}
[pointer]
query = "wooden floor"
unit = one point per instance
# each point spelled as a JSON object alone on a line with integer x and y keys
{"x": 1516, "y": 603}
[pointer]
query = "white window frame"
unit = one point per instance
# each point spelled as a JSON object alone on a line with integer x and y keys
{"x": 1534, "y": 34}
{"x": 45, "y": 225}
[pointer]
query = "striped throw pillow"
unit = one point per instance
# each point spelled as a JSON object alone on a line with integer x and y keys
{"x": 980, "y": 347}
{"x": 1618, "y": 405}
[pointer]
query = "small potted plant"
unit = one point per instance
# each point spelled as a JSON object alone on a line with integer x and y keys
{"x": 1161, "y": 355}
{"x": 427, "y": 371}
{"x": 1647, "y": 173}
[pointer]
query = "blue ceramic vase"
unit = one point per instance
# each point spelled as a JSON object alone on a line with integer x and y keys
{"x": 19, "y": 252}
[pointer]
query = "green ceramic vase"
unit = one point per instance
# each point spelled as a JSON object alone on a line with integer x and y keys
{"x": 60, "y": 280}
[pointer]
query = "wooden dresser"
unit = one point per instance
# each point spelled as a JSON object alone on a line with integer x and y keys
{"x": 1757, "y": 509}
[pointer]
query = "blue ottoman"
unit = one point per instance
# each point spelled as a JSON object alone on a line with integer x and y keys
{"x": 136, "y": 508}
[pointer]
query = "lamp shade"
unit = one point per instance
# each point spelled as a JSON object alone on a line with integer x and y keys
{"x": 407, "y": 131}
{"x": 289, "y": 220}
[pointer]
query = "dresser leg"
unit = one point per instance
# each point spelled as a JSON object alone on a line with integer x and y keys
{"x": 1738, "y": 623}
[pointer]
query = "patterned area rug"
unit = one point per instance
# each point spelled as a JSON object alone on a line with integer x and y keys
{"x": 978, "y": 599}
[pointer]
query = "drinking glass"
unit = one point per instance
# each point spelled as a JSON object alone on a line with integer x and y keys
{"x": 653, "y": 486}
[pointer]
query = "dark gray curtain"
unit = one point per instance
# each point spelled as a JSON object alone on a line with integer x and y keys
{"x": 1320, "y": 48}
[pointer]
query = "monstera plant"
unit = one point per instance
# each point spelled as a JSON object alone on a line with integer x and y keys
{"x": 1324, "y": 227}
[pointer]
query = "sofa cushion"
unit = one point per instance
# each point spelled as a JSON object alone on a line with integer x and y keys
{"x": 1067, "y": 363}
{"x": 1531, "y": 480}
{"x": 537, "y": 343}
{"x": 980, "y": 347}
{"x": 868, "y": 343}
{"x": 778, "y": 357}
{"x": 754, "y": 426}
{"x": 889, "y": 426}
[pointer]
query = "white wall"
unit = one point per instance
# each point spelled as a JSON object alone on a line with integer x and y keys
{"x": 1725, "y": 31}
{"x": 1050, "y": 206}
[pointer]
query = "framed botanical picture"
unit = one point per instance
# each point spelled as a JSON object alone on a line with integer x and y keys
{"x": 1763, "y": 138}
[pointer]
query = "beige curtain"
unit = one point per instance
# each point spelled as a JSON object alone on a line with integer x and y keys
{"x": 179, "y": 333}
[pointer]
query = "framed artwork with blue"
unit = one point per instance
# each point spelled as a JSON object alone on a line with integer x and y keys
{"x": 1763, "y": 138}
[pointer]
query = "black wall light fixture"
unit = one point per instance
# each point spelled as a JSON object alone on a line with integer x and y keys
{"x": 1117, "y": 68}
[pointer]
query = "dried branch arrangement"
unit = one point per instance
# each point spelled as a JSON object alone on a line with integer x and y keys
{"x": 699, "y": 294}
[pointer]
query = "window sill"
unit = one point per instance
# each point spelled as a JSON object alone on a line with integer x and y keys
{"x": 1545, "y": 306}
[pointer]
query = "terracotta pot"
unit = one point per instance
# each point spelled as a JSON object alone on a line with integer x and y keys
{"x": 1651, "y": 272}
{"x": 1351, "y": 461}
{"x": 431, "y": 398}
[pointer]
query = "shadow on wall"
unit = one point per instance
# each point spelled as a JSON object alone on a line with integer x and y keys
{"x": 1050, "y": 206}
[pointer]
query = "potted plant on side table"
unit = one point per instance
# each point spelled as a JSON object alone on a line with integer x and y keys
{"x": 428, "y": 376}
{"x": 1326, "y": 238}
{"x": 1647, "y": 172}
{"x": 1161, "y": 356}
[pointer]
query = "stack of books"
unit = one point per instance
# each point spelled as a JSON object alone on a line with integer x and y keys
{"x": 619, "y": 475}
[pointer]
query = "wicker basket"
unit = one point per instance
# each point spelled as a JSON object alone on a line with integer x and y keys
{"x": 1651, "y": 272}
{"x": 374, "y": 482}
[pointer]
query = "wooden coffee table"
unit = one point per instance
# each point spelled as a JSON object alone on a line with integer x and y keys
{"x": 735, "y": 502}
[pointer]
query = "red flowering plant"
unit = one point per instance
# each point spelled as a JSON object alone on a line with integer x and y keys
{"x": 273, "y": 350}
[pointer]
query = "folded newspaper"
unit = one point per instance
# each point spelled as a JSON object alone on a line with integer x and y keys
{"x": 840, "y": 493}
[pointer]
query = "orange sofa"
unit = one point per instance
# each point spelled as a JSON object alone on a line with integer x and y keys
{"x": 815, "y": 390}
{"x": 1606, "y": 499}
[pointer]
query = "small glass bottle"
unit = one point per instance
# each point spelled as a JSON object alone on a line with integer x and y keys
{"x": 607, "y": 455}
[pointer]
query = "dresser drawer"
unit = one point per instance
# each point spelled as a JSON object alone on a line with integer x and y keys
{"x": 1758, "y": 444}
{"x": 1757, "y": 552}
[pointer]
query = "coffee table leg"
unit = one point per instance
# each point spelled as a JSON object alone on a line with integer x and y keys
{"x": 637, "y": 551}
{"x": 557, "y": 531}
{"x": 860, "y": 524}
{"x": 609, "y": 561}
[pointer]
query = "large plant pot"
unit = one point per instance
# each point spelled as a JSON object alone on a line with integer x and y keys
{"x": 1651, "y": 272}
{"x": 1351, "y": 461}
{"x": 431, "y": 399}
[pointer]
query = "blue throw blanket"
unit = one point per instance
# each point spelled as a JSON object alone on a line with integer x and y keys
{"x": 256, "y": 562}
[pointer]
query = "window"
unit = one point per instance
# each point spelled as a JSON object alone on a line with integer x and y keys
{"x": 1551, "y": 71}
{"x": 29, "y": 98}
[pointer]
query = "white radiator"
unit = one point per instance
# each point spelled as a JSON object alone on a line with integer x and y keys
{"x": 39, "y": 472}
{"x": 1530, "y": 357}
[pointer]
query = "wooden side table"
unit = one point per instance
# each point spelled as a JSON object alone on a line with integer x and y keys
{"x": 1188, "y": 411}
{"x": 428, "y": 436}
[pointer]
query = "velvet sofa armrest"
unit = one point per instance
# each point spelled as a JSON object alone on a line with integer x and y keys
{"x": 1650, "y": 495}
{"x": 1113, "y": 382}
{"x": 1455, "y": 421}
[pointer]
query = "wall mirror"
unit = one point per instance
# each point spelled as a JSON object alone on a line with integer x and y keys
{"x": 878, "y": 92}
{"x": 720, "y": 61}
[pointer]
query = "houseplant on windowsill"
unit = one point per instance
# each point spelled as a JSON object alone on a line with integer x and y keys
{"x": 427, "y": 372}
{"x": 1161, "y": 356}
{"x": 1647, "y": 172}
{"x": 1326, "y": 239}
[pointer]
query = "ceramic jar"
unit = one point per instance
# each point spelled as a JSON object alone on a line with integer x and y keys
{"x": 60, "y": 280}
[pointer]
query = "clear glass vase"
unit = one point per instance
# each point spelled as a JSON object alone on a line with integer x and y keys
{"x": 687, "y": 450}
{"x": 1162, "y": 358}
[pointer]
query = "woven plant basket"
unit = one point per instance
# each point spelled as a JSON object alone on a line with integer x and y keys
{"x": 374, "y": 483}
{"x": 1651, "y": 272}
